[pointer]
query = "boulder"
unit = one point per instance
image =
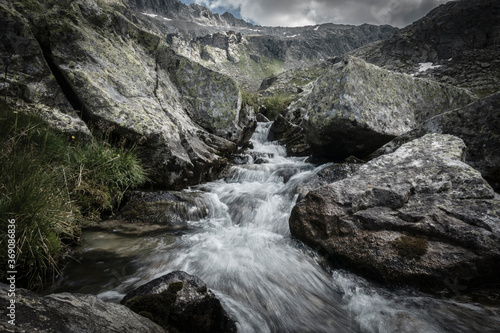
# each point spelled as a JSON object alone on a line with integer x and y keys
{"x": 355, "y": 107}
{"x": 290, "y": 135}
{"x": 477, "y": 124}
{"x": 181, "y": 301}
{"x": 70, "y": 313}
{"x": 171, "y": 209}
{"x": 418, "y": 216}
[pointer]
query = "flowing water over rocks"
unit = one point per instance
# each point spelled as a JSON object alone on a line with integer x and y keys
{"x": 267, "y": 280}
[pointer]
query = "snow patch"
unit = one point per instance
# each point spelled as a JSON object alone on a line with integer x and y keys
{"x": 316, "y": 29}
{"x": 292, "y": 36}
{"x": 150, "y": 15}
{"x": 424, "y": 66}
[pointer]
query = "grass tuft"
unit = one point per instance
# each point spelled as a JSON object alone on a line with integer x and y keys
{"x": 48, "y": 183}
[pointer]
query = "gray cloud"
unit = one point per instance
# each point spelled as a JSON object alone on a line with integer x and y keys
{"x": 299, "y": 12}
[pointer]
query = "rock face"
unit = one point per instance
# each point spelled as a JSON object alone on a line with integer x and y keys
{"x": 460, "y": 38}
{"x": 29, "y": 83}
{"x": 70, "y": 313}
{"x": 185, "y": 300}
{"x": 116, "y": 70}
{"x": 478, "y": 124}
{"x": 418, "y": 216}
{"x": 356, "y": 107}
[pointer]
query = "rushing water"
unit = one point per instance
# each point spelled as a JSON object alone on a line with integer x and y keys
{"x": 265, "y": 278}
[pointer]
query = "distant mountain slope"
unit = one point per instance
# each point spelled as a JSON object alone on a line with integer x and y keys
{"x": 246, "y": 52}
{"x": 456, "y": 43}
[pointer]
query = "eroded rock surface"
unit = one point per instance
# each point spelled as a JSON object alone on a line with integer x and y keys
{"x": 419, "y": 216}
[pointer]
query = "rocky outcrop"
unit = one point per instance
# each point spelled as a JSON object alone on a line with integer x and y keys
{"x": 477, "y": 124}
{"x": 28, "y": 82}
{"x": 418, "y": 216}
{"x": 116, "y": 70}
{"x": 355, "y": 107}
{"x": 70, "y": 313}
{"x": 290, "y": 135}
{"x": 460, "y": 39}
{"x": 181, "y": 301}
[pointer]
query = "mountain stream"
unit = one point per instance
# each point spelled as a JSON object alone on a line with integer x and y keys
{"x": 267, "y": 280}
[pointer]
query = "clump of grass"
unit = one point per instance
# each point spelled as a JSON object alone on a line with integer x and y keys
{"x": 276, "y": 105}
{"x": 104, "y": 173}
{"x": 47, "y": 183}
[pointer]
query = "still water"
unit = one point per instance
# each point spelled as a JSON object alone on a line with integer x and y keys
{"x": 267, "y": 280}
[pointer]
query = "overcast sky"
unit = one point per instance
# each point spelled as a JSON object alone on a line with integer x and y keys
{"x": 397, "y": 13}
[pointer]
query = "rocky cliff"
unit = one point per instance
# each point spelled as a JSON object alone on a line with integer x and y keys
{"x": 456, "y": 43}
{"x": 96, "y": 65}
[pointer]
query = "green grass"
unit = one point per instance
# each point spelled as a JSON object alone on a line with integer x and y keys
{"x": 47, "y": 183}
{"x": 276, "y": 105}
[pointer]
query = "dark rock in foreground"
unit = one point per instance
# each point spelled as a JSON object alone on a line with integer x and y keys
{"x": 478, "y": 124}
{"x": 70, "y": 313}
{"x": 181, "y": 301}
{"x": 418, "y": 216}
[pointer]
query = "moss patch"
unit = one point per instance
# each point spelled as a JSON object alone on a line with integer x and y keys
{"x": 411, "y": 247}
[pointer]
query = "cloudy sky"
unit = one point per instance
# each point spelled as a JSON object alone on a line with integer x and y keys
{"x": 398, "y": 13}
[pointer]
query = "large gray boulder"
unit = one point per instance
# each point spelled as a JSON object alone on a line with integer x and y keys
{"x": 181, "y": 301}
{"x": 355, "y": 107}
{"x": 478, "y": 124}
{"x": 418, "y": 216}
{"x": 70, "y": 313}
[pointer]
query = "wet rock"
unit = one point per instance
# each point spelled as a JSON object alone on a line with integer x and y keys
{"x": 290, "y": 135}
{"x": 181, "y": 301}
{"x": 477, "y": 124}
{"x": 169, "y": 209}
{"x": 261, "y": 118}
{"x": 70, "y": 313}
{"x": 355, "y": 107}
{"x": 418, "y": 216}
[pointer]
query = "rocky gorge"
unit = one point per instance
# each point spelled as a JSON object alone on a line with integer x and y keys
{"x": 407, "y": 200}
